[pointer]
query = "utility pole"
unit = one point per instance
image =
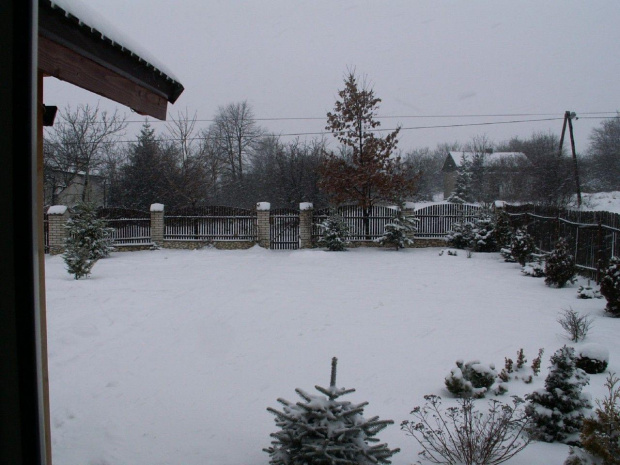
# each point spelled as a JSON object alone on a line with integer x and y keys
{"x": 568, "y": 117}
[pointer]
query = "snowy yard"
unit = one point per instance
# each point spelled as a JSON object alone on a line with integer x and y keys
{"x": 172, "y": 357}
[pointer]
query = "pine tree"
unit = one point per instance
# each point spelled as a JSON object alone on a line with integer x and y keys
{"x": 560, "y": 265}
{"x": 503, "y": 229}
{"x": 398, "y": 232}
{"x": 88, "y": 240}
{"x": 557, "y": 410}
{"x": 327, "y": 431}
{"x": 335, "y": 233}
{"x": 610, "y": 287}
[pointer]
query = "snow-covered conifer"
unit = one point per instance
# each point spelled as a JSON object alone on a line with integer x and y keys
{"x": 88, "y": 240}
{"x": 323, "y": 430}
{"x": 398, "y": 233}
{"x": 610, "y": 287}
{"x": 335, "y": 233}
{"x": 557, "y": 411}
{"x": 463, "y": 186}
{"x": 522, "y": 246}
{"x": 560, "y": 265}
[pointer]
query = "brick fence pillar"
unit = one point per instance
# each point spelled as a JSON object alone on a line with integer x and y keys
{"x": 57, "y": 216}
{"x": 306, "y": 210}
{"x": 157, "y": 223}
{"x": 409, "y": 210}
{"x": 262, "y": 223}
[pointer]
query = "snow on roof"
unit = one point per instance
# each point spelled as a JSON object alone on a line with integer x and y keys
{"x": 488, "y": 157}
{"x": 92, "y": 20}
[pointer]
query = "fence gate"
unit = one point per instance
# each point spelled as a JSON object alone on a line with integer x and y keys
{"x": 284, "y": 229}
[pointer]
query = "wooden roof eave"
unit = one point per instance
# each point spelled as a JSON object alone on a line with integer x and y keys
{"x": 73, "y": 52}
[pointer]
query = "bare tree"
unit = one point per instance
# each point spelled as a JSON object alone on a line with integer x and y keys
{"x": 604, "y": 155}
{"x": 79, "y": 143}
{"x": 235, "y": 133}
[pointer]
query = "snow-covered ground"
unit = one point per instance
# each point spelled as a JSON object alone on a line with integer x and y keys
{"x": 172, "y": 357}
{"x": 602, "y": 201}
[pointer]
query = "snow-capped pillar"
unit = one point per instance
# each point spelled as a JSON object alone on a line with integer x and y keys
{"x": 57, "y": 217}
{"x": 157, "y": 223}
{"x": 262, "y": 224}
{"x": 409, "y": 210}
{"x": 306, "y": 210}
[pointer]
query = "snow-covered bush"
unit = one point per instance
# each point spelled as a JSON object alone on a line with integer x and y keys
{"x": 471, "y": 379}
{"x": 610, "y": 287}
{"x": 398, "y": 232}
{"x": 560, "y": 265}
{"x": 467, "y": 436}
{"x": 588, "y": 292}
{"x": 335, "y": 233}
{"x": 557, "y": 411}
{"x": 535, "y": 269}
{"x": 592, "y": 358}
{"x": 324, "y": 430}
{"x": 477, "y": 234}
{"x": 522, "y": 247}
{"x": 461, "y": 235}
{"x": 575, "y": 325}
{"x": 88, "y": 240}
{"x": 600, "y": 434}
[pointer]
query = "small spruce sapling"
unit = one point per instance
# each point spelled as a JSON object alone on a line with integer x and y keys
{"x": 522, "y": 247}
{"x": 398, "y": 233}
{"x": 335, "y": 233}
{"x": 324, "y": 430}
{"x": 88, "y": 240}
{"x": 560, "y": 265}
{"x": 557, "y": 411}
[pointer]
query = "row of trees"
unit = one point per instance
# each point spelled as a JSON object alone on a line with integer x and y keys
{"x": 234, "y": 161}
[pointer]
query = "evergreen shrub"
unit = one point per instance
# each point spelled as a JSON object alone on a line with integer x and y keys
{"x": 471, "y": 379}
{"x": 335, "y": 233}
{"x": 560, "y": 265}
{"x": 557, "y": 411}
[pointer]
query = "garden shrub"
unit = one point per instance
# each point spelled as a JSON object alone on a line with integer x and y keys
{"x": 518, "y": 370}
{"x": 600, "y": 434}
{"x": 325, "y": 430}
{"x": 588, "y": 292}
{"x": 397, "y": 233}
{"x": 477, "y": 234}
{"x": 535, "y": 269}
{"x": 464, "y": 435}
{"x": 88, "y": 240}
{"x": 610, "y": 287}
{"x": 560, "y": 265}
{"x": 522, "y": 247}
{"x": 557, "y": 410}
{"x": 592, "y": 358}
{"x": 471, "y": 379}
{"x": 335, "y": 233}
{"x": 575, "y": 325}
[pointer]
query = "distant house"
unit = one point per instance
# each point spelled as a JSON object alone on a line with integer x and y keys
{"x": 66, "y": 188}
{"x": 501, "y": 172}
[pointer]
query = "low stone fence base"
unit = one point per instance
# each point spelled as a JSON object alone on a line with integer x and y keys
{"x": 196, "y": 245}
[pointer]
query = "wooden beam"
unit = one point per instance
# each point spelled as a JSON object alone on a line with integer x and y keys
{"x": 67, "y": 65}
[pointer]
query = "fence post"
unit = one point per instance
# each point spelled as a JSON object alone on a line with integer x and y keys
{"x": 262, "y": 224}
{"x": 58, "y": 215}
{"x": 157, "y": 224}
{"x": 306, "y": 211}
{"x": 409, "y": 211}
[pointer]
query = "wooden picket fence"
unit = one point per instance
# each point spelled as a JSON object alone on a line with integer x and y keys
{"x": 210, "y": 224}
{"x": 130, "y": 227}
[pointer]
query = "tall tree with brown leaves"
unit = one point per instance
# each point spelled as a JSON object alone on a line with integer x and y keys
{"x": 365, "y": 171}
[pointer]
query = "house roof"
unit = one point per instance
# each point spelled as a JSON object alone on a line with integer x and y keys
{"x": 454, "y": 159}
{"x": 77, "y": 46}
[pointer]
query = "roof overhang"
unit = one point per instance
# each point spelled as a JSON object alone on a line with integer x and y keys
{"x": 77, "y": 53}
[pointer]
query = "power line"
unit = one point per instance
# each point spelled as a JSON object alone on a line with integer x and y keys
{"x": 323, "y": 133}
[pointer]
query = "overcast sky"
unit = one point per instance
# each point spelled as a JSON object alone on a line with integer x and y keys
{"x": 287, "y": 58}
